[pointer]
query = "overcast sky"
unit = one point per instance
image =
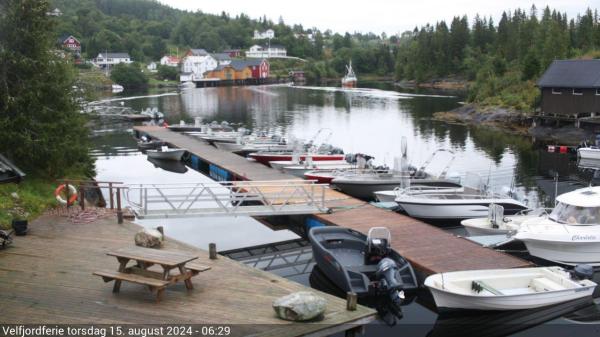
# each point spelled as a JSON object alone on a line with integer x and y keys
{"x": 390, "y": 16}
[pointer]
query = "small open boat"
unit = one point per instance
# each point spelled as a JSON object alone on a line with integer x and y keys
{"x": 509, "y": 289}
{"x": 165, "y": 153}
{"x": 363, "y": 264}
{"x": 496, "y": 223}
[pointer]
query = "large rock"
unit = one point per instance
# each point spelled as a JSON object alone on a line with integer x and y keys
{"x": 299, "y": 306}
{"x": 149, "y": 238}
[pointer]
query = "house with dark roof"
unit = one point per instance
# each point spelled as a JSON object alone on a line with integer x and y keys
{"x": 241, "y": 71}
{"x": 195, "y": 63}
{"x": 108, "y": 59}
{"x": 222, "y": 58}
{"x": 571, "y": 88}
{"x": 69, "y": 42}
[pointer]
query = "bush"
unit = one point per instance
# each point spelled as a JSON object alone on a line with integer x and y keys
{"x": 129, "y": 76}
{"x": 167, "y": 73}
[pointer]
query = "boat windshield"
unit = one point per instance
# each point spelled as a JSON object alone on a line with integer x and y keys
{"x": 575, "y": 215}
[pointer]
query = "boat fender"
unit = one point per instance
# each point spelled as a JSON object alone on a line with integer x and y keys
{"x": 72, "y": 194}
{"x": 582, "y": 272}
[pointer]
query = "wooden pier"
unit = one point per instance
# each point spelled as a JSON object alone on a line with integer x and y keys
{"x": 46, "y": 278}
{"x": 430, "y": 249}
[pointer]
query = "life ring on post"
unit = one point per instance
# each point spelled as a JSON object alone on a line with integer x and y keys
{"x": 72, "y": 194}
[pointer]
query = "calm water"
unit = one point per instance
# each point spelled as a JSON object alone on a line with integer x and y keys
{"x": 371, "y": 121}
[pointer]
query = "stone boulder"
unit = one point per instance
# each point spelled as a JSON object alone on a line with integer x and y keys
{"x": 300, "y": 306}
{"x": 149, "y": 238}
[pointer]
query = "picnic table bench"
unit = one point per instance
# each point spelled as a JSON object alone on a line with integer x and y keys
{"x": 146, "y": 257}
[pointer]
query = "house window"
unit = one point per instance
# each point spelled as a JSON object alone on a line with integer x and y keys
{"x": 556, "y": 91}
{"x": 577, "y": 91}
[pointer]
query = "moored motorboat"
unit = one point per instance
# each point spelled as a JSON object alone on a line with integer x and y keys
{"x": 570, "y": 234}
{"x": 509, "y": 289}
{"x": 363, "y": 264}
{"x": 455, "y": 206}
{"x": 165, "y": 153}
{"x": 496, "y": 223}
{"x": 590, "y": 151}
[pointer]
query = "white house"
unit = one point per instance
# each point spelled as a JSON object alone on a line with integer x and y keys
{"x": 223, "y": 59}
{"x": 170, "y": 60}
{"x": 108, "y": 59}
{"x": 195, "y": 63}
{"x": 267, "y": 34}
{"x": 152, "y": 67}
{"x": 272, "y": 51}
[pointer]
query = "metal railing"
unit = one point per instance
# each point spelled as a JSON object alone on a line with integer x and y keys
{"x": 113, "y": 188}
{"x": 232, "y": 198}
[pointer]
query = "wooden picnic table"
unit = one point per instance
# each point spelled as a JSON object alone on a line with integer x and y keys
{"x": 147, "y": 257}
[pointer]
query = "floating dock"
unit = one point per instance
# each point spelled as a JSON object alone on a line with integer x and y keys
{"x": 430, "y": 249}
{"x": 46, "y": 278}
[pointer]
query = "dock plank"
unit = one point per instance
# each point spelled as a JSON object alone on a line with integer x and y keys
{"x": 430, "y": 249}
{"x": 47, "y": 275}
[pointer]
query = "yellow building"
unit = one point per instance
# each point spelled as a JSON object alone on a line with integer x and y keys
{"x": 235, "y": 71}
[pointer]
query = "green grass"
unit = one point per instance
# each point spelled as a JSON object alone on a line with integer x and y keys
{"x": 33, "y": 197}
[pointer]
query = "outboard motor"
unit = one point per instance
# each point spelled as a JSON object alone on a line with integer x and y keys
{"x": 390, "y": 288}
{"x": 582, "y": 272}
{"x": 377, "y": 250}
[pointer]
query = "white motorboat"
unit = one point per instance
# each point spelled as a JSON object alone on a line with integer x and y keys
{"x": 590, "y": 151}
{"x": 391, "y": 195}
{"x": 570, "y": 234}
{"x": 165, "y": 153}
{"x": 496, "y": 223}
{"x": 300, "y": 169}
{"x": 116, "y": 88}
{"x": 455, "y": 206}
{"x": 508, "y": 289}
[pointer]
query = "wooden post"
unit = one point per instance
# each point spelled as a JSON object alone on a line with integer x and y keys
{"x": 212, "y": 251}
{"x": 82, "y": 197}
{"x": 351, "y": 300}
{"x": 119, "y": 210}
{"x": 68, "y": 193}
{"x": 110, "y": 193}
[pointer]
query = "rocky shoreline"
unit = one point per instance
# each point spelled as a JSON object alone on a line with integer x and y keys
{"x": 513, "y": 121}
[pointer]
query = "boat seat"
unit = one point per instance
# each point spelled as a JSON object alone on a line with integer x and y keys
{"x": 541, "y": 284}
{"x": 479, "y": 286}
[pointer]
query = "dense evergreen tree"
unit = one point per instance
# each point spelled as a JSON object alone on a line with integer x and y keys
{"x": 42, "y": 129}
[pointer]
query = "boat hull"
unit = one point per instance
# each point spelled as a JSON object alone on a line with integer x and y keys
{"x": 456, "y": 210}
{"x": 568, "y": 253}
{"x": 588, "y": 153}
{"x": 265, "y": 158}
{"x": 447, "y": 300}
{"x": 166, "y": 155}
{"x": 365, "y": 189}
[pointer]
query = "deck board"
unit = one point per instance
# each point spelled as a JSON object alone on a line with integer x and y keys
{"x": 428, "y": 248}
{"x": 47, "y": 276}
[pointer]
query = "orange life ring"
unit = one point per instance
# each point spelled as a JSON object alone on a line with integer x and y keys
{"x": 72, "y": 193}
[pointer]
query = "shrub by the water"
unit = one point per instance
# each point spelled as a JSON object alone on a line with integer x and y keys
{"x": 129, "y": 76}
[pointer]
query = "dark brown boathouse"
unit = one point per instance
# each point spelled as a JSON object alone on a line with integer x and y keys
{"x": 571, "y": 89}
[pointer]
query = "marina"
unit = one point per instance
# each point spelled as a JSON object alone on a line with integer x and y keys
{"x": 412, "y": 238}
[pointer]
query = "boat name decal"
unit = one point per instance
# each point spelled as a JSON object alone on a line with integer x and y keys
{"x": 583, "y": 237}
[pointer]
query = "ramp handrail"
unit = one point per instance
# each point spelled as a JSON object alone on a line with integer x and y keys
{"x": 227, "y": 198}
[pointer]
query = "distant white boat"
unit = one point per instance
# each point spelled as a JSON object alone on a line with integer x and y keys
{"x": 349, "y": 81}
{"x": 117, "y": 88}
{"x": 507, "y": 289}
{"x": 166, "y": 153}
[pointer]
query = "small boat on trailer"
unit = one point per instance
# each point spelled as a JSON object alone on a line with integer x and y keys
{"x": 363, "y": 264}
{"x": 510, "y": 289}
{"x": 165, "y": 153}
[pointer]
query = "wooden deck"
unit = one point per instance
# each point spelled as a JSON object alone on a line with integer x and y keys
{"x": 428, "y": 248}
{"x": 46, "y": 278}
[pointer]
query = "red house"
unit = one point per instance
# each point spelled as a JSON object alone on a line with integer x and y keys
{"x": 259, "y": 67}
{"x": 69, "y": 42}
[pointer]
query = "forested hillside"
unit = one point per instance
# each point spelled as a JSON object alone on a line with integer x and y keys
{"x": 503, "y": 60}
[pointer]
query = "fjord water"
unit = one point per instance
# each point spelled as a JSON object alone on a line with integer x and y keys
{"x": 371, "y": 121}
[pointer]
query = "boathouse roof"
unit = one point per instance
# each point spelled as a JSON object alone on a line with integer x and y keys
{"x": 572, "y": 74}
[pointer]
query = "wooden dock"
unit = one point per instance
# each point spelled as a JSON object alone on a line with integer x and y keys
{"x": 46, "y": 278}
{"x": 430, "y": 249}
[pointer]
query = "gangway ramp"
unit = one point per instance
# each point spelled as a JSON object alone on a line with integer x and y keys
{"x": 230, "y": 198}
